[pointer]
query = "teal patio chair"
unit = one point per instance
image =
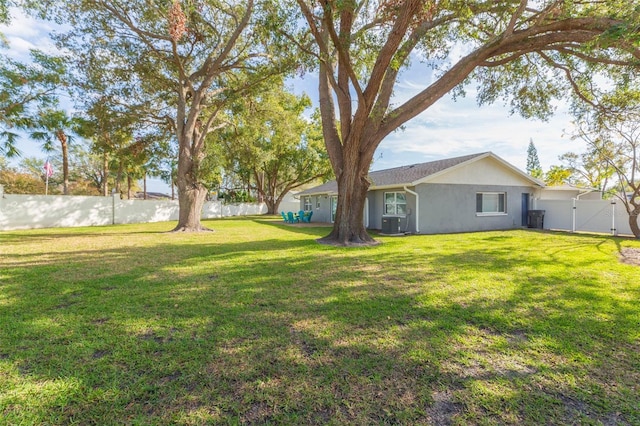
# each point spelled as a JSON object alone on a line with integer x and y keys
{"x": 291, "y": 217}
{"x": 284, "y": 216}
{"x": 306, "y": 216}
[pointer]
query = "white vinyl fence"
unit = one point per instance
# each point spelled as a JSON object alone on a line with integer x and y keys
{"x": 598, "y": 216}
{"x": 53, "y": 211}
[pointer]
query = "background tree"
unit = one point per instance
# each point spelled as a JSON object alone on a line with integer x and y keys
{"x": 273, "y": 145}
{"x": 591, "y": 169}
{"x": 17, "y": 181}
{"x": 176, "y": 64}
{"x": 25, "y": 89}
{"x": 513, "y": 49}
{"x": 157, "y": 149}
{"x": 616, "y": 139}
{"x": 54, "y": 125}
{"x": 87, "y": 170}
{"x": 533, "y": 163}
{"x": 108, "y": 129}
{"x": 557, "y": 175}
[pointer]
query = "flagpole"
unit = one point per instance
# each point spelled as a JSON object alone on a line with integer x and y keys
{"x": 47, "y": 169}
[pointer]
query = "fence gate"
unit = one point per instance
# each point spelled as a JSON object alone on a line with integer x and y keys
{"x": 598, "y": 216}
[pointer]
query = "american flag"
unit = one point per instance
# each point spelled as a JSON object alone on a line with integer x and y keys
{"x": 48, "y": 169}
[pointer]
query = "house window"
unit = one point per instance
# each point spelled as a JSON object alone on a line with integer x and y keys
{"x": 307, "y": 204}
{"x": 395, "y": 203}
{"x": 318, "y": 202}
{"x": 488, "y": 203}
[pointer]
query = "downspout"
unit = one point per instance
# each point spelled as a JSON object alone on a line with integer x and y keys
{"x": 417, "y": 208}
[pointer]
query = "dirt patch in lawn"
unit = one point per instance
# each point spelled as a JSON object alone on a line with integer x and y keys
{"x": 630, "y": 256}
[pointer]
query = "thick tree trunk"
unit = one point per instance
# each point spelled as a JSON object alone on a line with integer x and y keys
{"x": 272, "y": 206}
{"x": 191, "y": 200}
{"x": 348, "y": 228}
{"x": 273, "y": 203}
{"x": 633, "y": 223}
{"x": 191, "y": 193}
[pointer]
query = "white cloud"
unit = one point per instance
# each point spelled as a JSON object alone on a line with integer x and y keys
{"x": 450, "y": 129}
{"x": 24, "y": 33}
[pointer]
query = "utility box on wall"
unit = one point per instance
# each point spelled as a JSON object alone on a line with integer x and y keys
{"x": 391, "y": 225}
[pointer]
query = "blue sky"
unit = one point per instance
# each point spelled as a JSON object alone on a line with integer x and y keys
{"x": 448, "y": 129}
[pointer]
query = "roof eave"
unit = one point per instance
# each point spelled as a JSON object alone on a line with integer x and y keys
{"x": 316, "y": 193}
{"x": 390, "y": 186}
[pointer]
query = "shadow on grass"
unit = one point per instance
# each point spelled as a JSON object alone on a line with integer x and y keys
{"x": 427, "y": 330}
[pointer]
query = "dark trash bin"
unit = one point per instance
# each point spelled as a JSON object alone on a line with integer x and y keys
{"x": 535, "y": 219}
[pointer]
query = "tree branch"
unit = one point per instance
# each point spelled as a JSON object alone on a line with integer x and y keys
{"x": 514, "y": 18}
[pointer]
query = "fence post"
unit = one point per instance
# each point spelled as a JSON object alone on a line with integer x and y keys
{"x": 614, "y": 232}
{"x": 113, "y": 206}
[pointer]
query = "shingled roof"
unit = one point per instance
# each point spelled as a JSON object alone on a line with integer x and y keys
{"x": 399, "y": 176}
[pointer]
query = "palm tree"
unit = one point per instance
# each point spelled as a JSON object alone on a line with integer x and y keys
{"x": 50, "y": 126}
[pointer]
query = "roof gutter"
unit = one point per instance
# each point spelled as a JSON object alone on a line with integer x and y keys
{"x": 585, "y": 193}
{"x": 417, "y": 207}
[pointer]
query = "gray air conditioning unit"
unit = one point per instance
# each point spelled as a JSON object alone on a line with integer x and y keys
{"x": 390, "y": 225}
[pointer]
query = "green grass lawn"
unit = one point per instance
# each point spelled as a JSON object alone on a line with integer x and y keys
{"x": 256, "y": 323}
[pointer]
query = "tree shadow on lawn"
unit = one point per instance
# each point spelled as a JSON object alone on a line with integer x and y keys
{"x": 313, "y": 229}
{"x": 292, "y": 332}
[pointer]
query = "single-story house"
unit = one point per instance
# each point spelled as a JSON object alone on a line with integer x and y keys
{"x": 464, "y": 194}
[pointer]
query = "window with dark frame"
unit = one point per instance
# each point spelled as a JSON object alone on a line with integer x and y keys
{"x": 491, "y": 203}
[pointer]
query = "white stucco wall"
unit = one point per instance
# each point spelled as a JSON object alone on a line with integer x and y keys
{"x": 486, "y": 171}
{"x": 52, "y": 211}
{"x": 48, "y": 211}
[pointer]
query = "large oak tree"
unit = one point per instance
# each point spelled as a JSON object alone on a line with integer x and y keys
{"x": 517, "y": 49}
{"x": 176, "y": 64}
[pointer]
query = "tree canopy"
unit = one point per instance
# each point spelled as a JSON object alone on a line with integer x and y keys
{"x": 611, "y": 129}
{"x": 270, "y": 140}
{"x": 24, "y": 90}
{"x": 174, "y": 65}
{"x": 526, "y": 52}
